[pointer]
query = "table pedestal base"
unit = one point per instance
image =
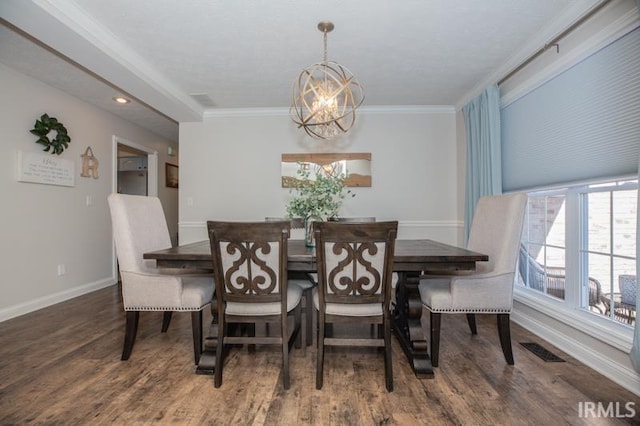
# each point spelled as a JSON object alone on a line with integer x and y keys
{"x": 207, "y": 364}
{"x": 408, "y": 328}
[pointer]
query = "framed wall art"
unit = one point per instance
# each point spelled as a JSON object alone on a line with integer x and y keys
{"x": 355, "y": 166}
{"x": 171, "y": 175}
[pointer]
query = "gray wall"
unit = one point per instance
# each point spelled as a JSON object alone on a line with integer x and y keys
{"x": 234, "y": 169}
{"x": 44, "y": 226}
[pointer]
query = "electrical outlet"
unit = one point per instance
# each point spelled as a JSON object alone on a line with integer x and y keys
{"x": 62, "y": 269}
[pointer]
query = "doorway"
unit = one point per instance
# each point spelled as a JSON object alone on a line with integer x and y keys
{"x": 132, "y": 171}
{"x": 135, "y": 168}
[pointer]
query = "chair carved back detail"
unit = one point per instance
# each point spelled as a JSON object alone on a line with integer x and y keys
{"x": 353, "y": 261}
{"x": 247, "y": 269}
{"x": 249, "y": 261}
{"x": 354, "y": 269}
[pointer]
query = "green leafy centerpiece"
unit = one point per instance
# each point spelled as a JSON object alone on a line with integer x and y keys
{"x": 317, "y": 197}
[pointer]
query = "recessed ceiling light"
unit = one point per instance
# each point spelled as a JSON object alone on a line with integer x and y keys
{"x": 121, "y": 100}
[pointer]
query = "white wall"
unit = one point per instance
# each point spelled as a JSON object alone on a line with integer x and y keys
{"x": 233, "y": 170}
{"x": 45, "y": 225}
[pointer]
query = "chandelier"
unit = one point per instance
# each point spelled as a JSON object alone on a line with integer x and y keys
{"x": 326, "y": 96}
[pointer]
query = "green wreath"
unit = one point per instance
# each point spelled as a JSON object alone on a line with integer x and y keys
{"x": 46, "y": 125}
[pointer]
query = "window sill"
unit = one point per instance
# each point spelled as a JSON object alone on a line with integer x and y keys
{"x": 619, "y": 336}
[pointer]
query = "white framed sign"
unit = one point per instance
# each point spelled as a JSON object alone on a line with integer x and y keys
{"x": 47, "y": 169}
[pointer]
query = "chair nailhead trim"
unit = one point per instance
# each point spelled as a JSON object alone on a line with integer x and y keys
{"x": 471, "y": 310}
{"x": 172, "y": 308}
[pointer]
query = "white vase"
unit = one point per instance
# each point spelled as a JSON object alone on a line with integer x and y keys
{"x": 309, "y": 238}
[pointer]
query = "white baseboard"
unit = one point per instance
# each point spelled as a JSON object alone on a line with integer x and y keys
{"x": 52, "y": 299}
{"x": 620, "y": 374}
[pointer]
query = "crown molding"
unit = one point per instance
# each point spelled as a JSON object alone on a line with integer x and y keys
{"x": 366, "y": 110}
{"x": 408, "y": 109}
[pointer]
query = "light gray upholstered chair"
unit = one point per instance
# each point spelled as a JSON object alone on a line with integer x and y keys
{"x": 355, "y": 264}
{"x": 250, "y": 268}
{"x": 139, "y": 226}
{"x": 495, "y": 231}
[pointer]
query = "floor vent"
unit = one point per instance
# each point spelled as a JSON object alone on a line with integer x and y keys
{"x": 541, "y": 352}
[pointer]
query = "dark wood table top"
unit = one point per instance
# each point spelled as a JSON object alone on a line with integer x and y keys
{"x": 410, "y": 255}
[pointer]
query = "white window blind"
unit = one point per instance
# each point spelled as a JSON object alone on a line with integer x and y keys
{"x": 583, "y": 124}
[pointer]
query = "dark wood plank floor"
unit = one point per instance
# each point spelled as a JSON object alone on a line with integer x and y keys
{"x": 61, "y": 365}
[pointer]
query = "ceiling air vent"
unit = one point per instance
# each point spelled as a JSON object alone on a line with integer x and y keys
{"x": 203, "y": 99}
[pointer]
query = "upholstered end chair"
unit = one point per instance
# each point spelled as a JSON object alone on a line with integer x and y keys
{"x": 495, "y": 231}
{"x": 139, "y": 226}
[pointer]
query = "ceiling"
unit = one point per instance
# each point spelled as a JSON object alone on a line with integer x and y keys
{"x": 241, "y": 56}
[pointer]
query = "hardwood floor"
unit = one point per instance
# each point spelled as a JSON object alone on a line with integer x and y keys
{"x": 61, "y": 365}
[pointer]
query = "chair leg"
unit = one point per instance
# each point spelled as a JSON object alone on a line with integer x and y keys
{"x": 471, "y": 320}
{"x": 251, "y": 332}
{"x": 504, "y": 332}
{"x": 222, "y": 333}
{"x": 166, "y": 320}
{"x": 297, "y": 329}
{"x": 308, "y": 313}
{"x": 196, "y": 327}
{"x": 435, "y": 337}
{"x": 388, "y": 365}
{"x": 284, "y": 332}
{"x": 320, "y": 351}
{"x": 131, "y": 329}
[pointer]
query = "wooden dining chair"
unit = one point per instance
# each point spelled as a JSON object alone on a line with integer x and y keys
{"x": 313, "y": 276}
{"x": 250, "y": 270}
{"x": 355, "y": 264}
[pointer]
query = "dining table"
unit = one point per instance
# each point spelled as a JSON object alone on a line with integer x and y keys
{"x": 411, "y": 259}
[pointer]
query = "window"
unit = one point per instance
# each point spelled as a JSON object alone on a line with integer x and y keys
{"x": 608, "y": 246}
{"x": 579, "y": 248}
{"x": 542, "y": 254}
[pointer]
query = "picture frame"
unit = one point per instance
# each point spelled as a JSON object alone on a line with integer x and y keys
{"x": 356, "y": 166}
{"x": 171, "y": 175}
